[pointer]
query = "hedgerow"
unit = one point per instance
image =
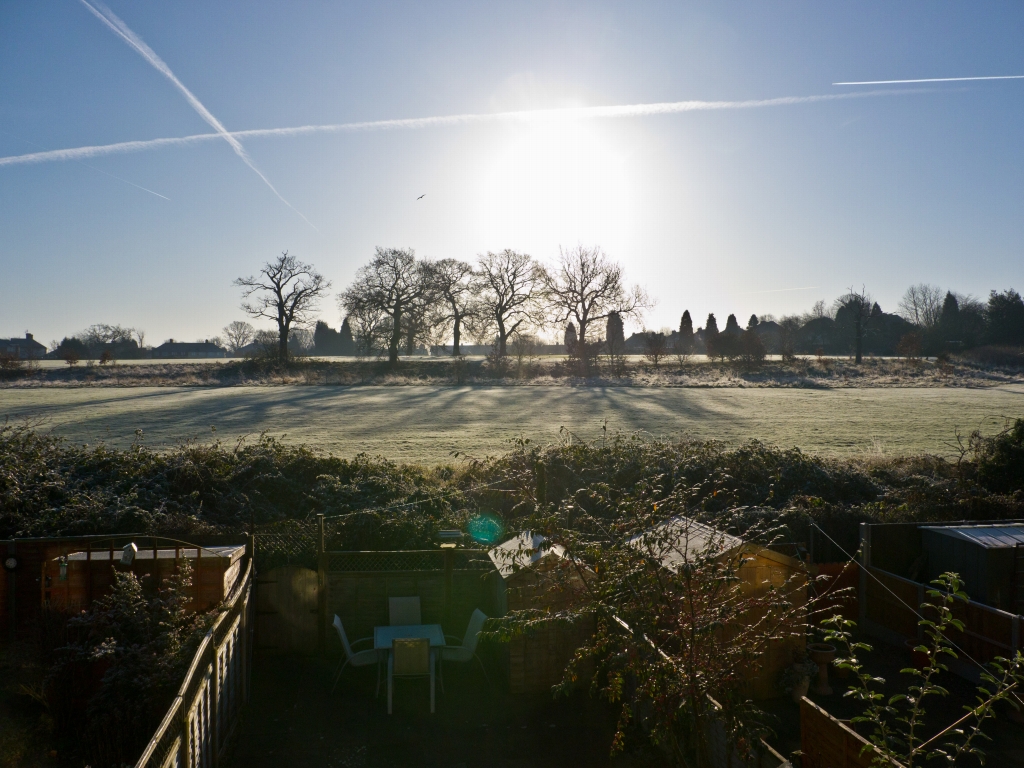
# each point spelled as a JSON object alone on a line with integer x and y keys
{"x": 49, "y": 487}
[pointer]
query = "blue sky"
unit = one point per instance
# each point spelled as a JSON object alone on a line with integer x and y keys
{"x": 723, "y": 211}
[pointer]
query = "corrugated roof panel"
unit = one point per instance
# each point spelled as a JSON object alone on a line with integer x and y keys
{"x": 680, "y": 539}
{"x": 987, "y": 536}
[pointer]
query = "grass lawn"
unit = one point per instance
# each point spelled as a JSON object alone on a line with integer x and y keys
{"x": 425, "y": 423}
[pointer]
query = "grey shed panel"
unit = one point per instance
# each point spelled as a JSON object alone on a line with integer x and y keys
{"x": 982, "y": 555}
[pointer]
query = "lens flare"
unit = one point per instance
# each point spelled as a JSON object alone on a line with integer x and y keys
{"x": 485, "y": 529}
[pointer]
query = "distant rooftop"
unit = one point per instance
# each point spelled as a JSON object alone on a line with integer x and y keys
{"x": 987, "y": 536}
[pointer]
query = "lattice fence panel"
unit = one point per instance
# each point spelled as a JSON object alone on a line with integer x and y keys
{"x": 293, "y": 547}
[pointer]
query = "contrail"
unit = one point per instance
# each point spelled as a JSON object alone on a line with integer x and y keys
{"x": 118, "y": 27}
{"x": 539, "y": 115}
{"x": 935, "y": 80}
{"x": 100, "y": 170}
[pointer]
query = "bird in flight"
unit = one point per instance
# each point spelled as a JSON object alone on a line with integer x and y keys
{"x": 422, "y": 196}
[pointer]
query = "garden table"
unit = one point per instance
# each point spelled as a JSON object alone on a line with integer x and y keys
{"x": 383, "y": 637}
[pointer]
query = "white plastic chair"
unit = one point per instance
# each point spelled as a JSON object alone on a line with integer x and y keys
{"x": 356, "y": 659}
{"x": 410, "y": 657}
{"x": 403, "y": 611}
{"x": 465, "y": 653}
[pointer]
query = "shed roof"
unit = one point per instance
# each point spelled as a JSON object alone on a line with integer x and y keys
{"x": 679, "y": 539}
{"x": 987, "y": 536}
{"x": 523, "y": 551}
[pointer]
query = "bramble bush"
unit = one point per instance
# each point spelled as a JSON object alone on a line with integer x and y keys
{"x": 50, "y": 487}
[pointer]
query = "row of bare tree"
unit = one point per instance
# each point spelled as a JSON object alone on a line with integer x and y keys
{"x": 398, "y": 301}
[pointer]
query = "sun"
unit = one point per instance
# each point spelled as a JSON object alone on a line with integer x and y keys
{"x": 558, "y": 180}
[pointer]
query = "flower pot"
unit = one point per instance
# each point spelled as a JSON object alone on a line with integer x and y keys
{"x": 800, "y": 688}
{"x": 918, "y": 659}
{"x": 822, "y": 655}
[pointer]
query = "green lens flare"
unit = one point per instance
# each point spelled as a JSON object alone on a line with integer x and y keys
{"x": 485, "y": 529}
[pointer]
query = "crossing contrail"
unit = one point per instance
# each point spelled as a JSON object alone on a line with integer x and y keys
{"x": 119, "y": 28}
{"x": 935, "y": 80}
{"x": 539, "y": 115}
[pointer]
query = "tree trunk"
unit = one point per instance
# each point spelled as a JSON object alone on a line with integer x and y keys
{"x": 396, "y": 337}
{"x": 502, "y": 339}
{"x": 859, "y": 330}
{"x": 282, "y": 344}
{"x": 456, "y": 335}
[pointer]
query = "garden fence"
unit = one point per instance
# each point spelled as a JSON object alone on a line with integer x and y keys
{"x": 203, "y": 716}
{"x": 889, "y": 607}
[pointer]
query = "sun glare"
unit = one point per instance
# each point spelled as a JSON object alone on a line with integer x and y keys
{"x": 557, "y": 180}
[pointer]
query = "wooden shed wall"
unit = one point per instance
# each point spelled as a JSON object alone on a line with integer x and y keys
{"x": 766, "y": 570}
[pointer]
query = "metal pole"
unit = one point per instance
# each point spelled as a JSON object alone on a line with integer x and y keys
{"x": 865, "y": 563}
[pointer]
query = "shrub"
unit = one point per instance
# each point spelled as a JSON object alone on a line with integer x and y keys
{"x": 126, "y": 658}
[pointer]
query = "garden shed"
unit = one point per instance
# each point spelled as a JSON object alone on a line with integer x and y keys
{"x": 525, "y": 565}
{"x": 681, "y": 538}
{"x": 73, "y": 580}
{"x": 985, "y": 557}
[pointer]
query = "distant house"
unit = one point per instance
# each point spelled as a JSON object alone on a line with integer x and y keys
{"x": 174, "y": 350}
{"x": 23, "y": 349}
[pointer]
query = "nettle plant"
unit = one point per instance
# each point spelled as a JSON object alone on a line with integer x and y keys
{"x": 898, "y": 721}
{"x": 678, "y": 633}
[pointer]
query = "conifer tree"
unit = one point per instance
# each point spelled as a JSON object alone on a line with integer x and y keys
{"x": 686, "y": 333}
{"x": 570, "y": 339}
{"x": 711, "y": 336}
{"x": 614, "y": 335}
{"x": 347, "y": 343}
{"x": 752, "y": 323}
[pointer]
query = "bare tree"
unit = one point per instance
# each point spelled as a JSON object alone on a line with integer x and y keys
{"x": 286, "y": 291}
{"x": 385, "y": 291}
{"x": 586, "y": 287}
{"x": 238, "y": 334}
{"x": 857, "y": 306}
{"x": 451, "y": 280}
{"x": 507, "y": 286}
{"x": 655, "y": 347}
{"x": 922, "y": 305}
{"x": 140, "y": 337}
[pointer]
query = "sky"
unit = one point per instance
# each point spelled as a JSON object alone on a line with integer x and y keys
{"x": 752, "y": 208}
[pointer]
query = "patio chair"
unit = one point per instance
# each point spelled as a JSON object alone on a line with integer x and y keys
{"x": 403, "y": 611}
{"x": 410, "y": 657}
{"x": 356, "y": 659}
{"x": 465, "y": 653}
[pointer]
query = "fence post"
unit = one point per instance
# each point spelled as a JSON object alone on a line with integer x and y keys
{"x": 215, "y": 694}
{"x": 449, "y": 565}
{"x": 321, "y": 592}
{"x": 865, "y": 563}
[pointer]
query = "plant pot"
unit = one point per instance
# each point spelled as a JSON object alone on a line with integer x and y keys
{"x": 918, "y": 659}
{"x": 800, "y": 688}
{"x": 822, "y": 655}
{"x": 841, "y": 673}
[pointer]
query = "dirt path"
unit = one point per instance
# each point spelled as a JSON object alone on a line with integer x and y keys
{"x": 426, "y": 423}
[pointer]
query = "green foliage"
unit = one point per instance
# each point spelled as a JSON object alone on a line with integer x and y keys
{"x": 50, "y": 487}
{"x": 897, "y": 721}
{"x": 125, "y": 659}
{"x": 1000, "y": 459}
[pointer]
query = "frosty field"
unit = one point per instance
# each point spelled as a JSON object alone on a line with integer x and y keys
{"x": 425, "y": 423}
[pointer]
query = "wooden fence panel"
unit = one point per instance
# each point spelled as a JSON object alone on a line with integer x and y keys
{"x": 891, "y": 602}
{"x": 199, "y": 723}
{"x": 828, "y": 743}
